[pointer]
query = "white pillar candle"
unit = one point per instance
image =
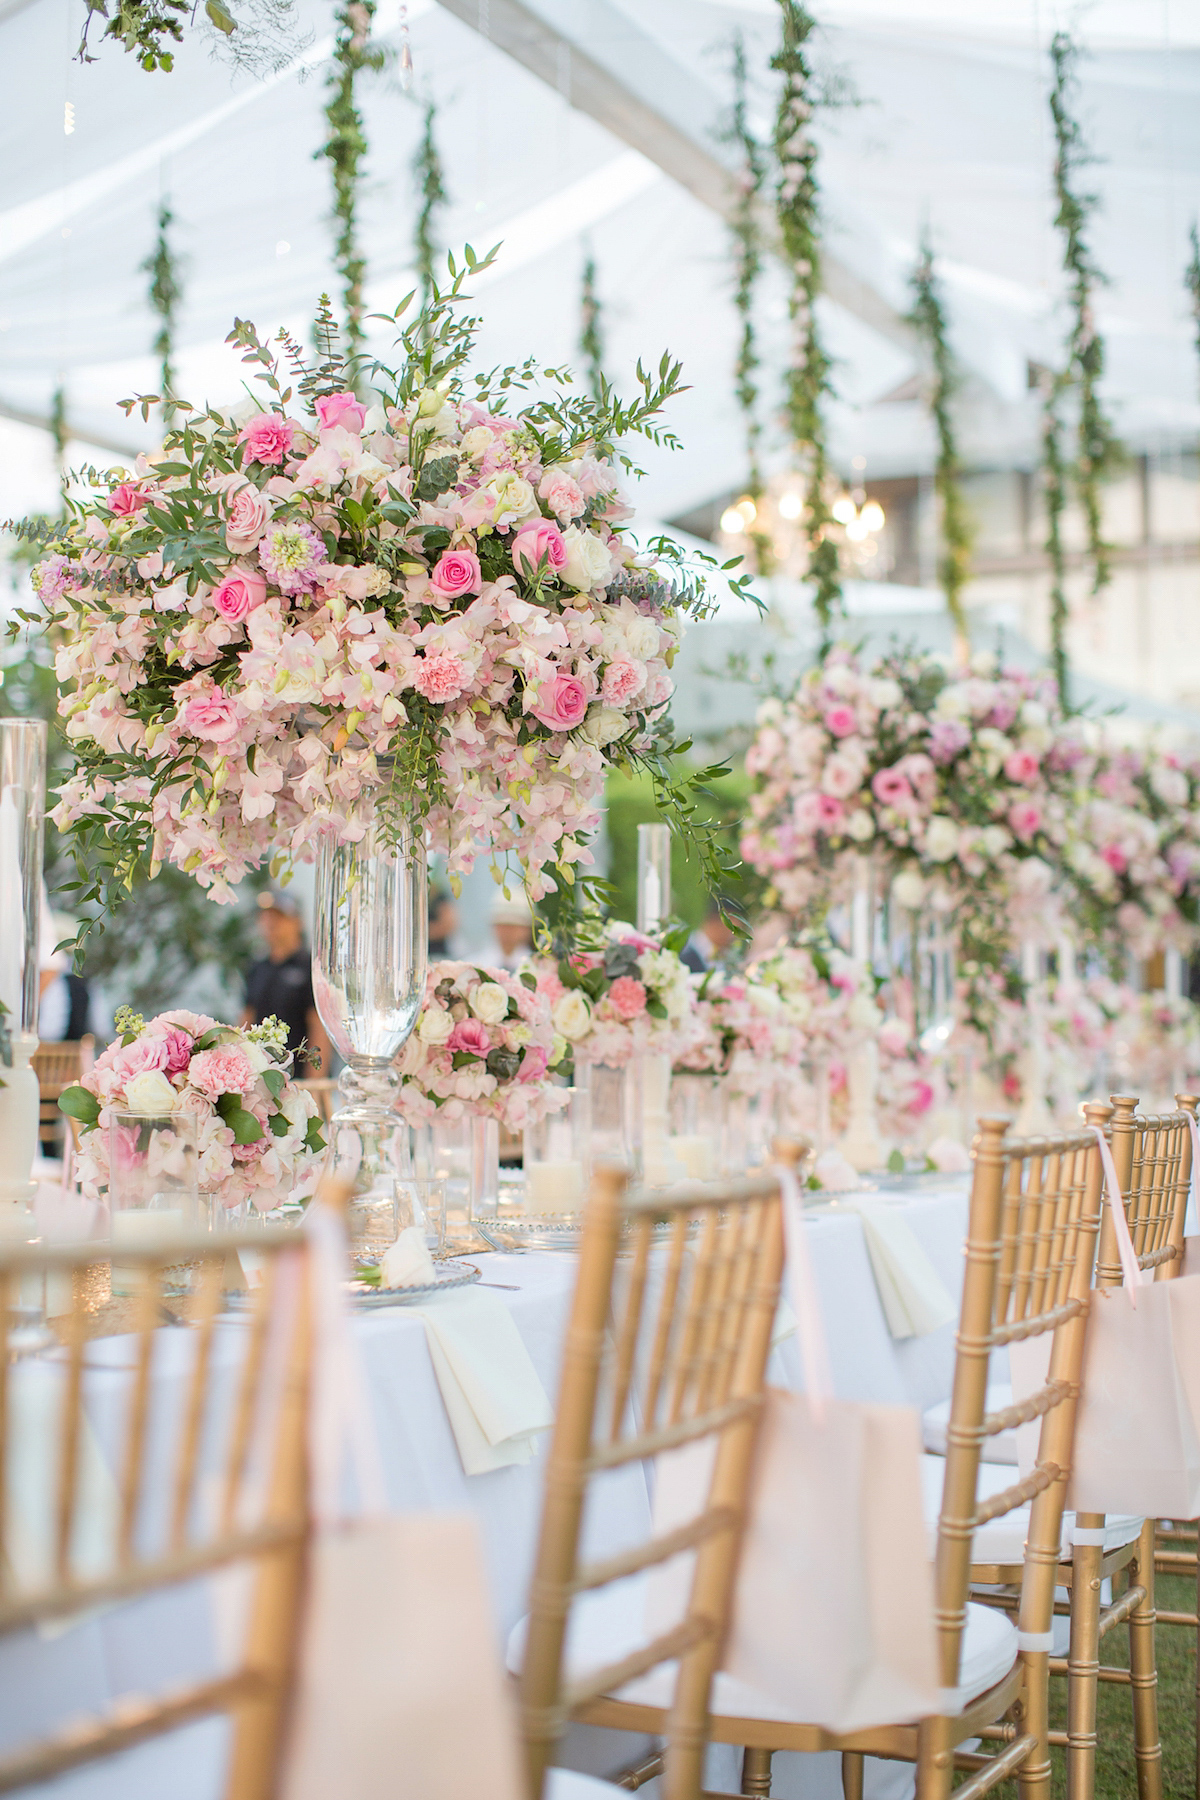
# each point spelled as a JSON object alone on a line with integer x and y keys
{"x": 697, "y": 1155}
{"x": 554, "y": 1187}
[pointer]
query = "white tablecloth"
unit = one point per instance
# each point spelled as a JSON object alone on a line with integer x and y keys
{"x": 174, "y": 1637}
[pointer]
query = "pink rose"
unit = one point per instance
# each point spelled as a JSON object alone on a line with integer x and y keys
{"x": 562, "y": 704}
{"x": 340, "y": 409}
{"x": 840, "y": 720}
{"x": 562, "y": 494}
{"x": 622, "y": 680}
{"x": 921, "y": 1098}
{"x": 470, "y": 1035}
{"x": 267, "y": 438}
{"x": 890, "y": 788}
{"x": 240, "y": 593}
{"x": 830, "y": 812}
{"x": 534, "y": 1063}
{"x": 179, "y": 1051}
{"x": 537, "y": 541}
{"x": 249, "y": 516}
{"x": 1115, "y": 857}
{"x": 628, "y": 997}
{"x": 213, "y": 716}
{"x": 1025, "y": 819}
{"x": 126, "y": 499}
{"x": 1022, "y": 766}
{"x": 138, "y": 1058}
{"x": 440, "y": 676}
{"x": 224, "y": 1070}
{"x": 457, "y": 572}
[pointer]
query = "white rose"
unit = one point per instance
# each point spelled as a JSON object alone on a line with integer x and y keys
{"x": 641, "y": 638}
{"x": 589, "y": 559}
{"x": 515, "y": 500}
{"x": 953, "y": 702}
{"x": 572, "y": 1016}
{"x": 860, "y": 826}
{"x": 884, "y": 692}
{"x": 909, "y": 889}
{"x": 941, "y": 839}
{"x": 489, "y": 1002}
{"x": 150, "y": 1093}
{"x": 1169, "y": 785}
{"x": 838, "y": 679}
{"x": 1033, "y": 713}
{"x": 1034, "y": 877}
{"x": 435, "y": 1025}
{"x": 476, "y": 441}
{"x": 603, "y": 725}
{"x": 257, "y": 1057}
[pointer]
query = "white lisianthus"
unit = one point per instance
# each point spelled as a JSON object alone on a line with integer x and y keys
{"x": 572, "y": 1016}
{"x": 435, "y": 1025}
{"x": 489, "y": 1002}
{"x": 150, "y": 1093}
{"x": 860, "y": 826}
{"x": 589, "y": 560}
{"x": 941, "y": 839}
{"x": 603, "y": 725}
{"x": 909, "y": 889}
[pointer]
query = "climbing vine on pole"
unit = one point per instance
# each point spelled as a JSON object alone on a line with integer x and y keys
{"x": 346, "y": 146}
{"x": 928, "y": 319}
{"x": 60, "y": 434}
{"x": 746, "y": 226}
{"x": 427, "y": 167}
{"x": 166, "y": 294}
{"x": 1191, "y": 276}
{"x": 796, "y": 205}
{"x": 591, "y": 329}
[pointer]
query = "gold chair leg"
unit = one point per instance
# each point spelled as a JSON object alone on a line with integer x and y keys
{"x": 756, "y": 1771}
{"x": 1144, "y": 1673}
{"x": 853, "y": 1769}
{"x": 935, "y": 1760}
{"x": 1083, "y": 1662}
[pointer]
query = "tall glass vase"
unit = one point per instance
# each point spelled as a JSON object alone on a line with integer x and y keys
{"x": 369, "y": 947}
{"x": 22, "y": 805}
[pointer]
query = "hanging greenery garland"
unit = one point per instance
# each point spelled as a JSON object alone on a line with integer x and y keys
{"x": 808, "y": 375}
{"x": 1191, "y": 276}
{"x": 746, "y": 226}
{"x": 345, "y": 146}
{"x": 1054, "y": 490}
{"x": 591, "y": 330}
{"x": 1098, "y": 453}
{"x": 427, "y": 167}
{"x": 165, "y": 296}
{"x": 928, "y": 319}
{"x": 60, "y": 434}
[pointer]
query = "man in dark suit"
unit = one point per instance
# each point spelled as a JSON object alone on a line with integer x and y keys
{"x": 280, "y": 985}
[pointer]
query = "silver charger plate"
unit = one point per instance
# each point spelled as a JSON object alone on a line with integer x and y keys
{"x": 552, "y": 1231}
{"x": 450, "y": 1275}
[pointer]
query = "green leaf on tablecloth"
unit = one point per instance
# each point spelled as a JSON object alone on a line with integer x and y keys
{"x": 79, "y": 1103}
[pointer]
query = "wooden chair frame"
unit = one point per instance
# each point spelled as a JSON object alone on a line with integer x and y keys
{"x": 268, "y": 1530}
{"x": 706, "y": 1332}
{"x": 56, "y": 1067}
{"x": 1030, "y": 1253}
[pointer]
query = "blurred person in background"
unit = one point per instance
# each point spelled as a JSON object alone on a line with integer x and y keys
{"x": 512, "y": 932}
{"x": 280, "y": 985}
{"x": 64, "y": 1004}
{"x": 443, "y": 923}
{"x": 708, "y": 943}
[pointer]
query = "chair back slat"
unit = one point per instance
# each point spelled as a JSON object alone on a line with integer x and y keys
{"x": 691, "y": 1308}
{"x": 1152, "y": 1154}
{"x": 208, "y": 1306}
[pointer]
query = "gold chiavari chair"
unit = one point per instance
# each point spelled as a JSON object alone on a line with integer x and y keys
{"x": 231, "y": 1489}
{"x": 996, "y": 1672}
{"x": 673, "y": 1354}
{"x": 56, "y": 1067}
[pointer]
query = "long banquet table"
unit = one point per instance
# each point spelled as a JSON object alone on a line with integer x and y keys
{"x": 180, "y": 1636}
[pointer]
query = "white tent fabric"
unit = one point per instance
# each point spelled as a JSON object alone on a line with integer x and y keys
{"x": 951, "y": 130}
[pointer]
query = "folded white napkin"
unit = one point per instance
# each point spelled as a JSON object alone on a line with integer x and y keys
{"x": 911, "y": 1292}
{"x": 494, "y": 1399}
{"x": 407, "y": 1263}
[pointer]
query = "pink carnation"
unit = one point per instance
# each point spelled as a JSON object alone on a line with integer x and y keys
{"x": 341, "y": 409}
{"x": 223, "y": 1070}
{"x": 562, "y": 494}
{"x": 472, "y": 1036}
{"x": 440, "y": 676}
{"x": 891, "y": 788}
{"x": 1022, "y": 766}
{"x": 267, "y": 438}
{"x": 561, "y": 704}
{"x": 840, "y": 720}
{"x": 240, "y": 593}
{"x": 179, "y": 1051}
{"x": 457, "y": 572}
{"x": 628, "y": 997}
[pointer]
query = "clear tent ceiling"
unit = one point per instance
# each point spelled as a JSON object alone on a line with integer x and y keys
{"x": 949, "y": 132}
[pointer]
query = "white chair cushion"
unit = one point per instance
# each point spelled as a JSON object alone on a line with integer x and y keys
{"x": 609, "y": 1624}
{"x": 568, "y": 1784}
{"x": 1002, "y": 1448}
{"x": 1002, "y": 1540}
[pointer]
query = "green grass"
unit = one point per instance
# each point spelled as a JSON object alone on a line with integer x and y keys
{"x": 1116, "y": 1769}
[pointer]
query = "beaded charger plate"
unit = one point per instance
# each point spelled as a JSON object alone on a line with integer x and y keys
{"x": 367, "y": 1296}
{"x": 551, "y": 1231}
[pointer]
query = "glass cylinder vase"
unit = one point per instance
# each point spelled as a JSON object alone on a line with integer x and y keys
{"x": 22, "y": 806}
{"x": 152, "y": 1185}
{"x": 368, "y": 966}
{"x": 464, "y": 1155}
{"x": 696, "y": 1118}
{"x": 607, "y": 1087}
{"x": 557, "y": 1153}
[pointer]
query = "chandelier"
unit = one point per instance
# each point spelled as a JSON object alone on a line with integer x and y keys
{"x": 769, "y": 531}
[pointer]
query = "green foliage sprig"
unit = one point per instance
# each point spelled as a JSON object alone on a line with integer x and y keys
{"x": 60, "y": 434}
{"x": 928, "y": 319}
{"x": 746, "y": 227}
{"x": 1098, "y": 453}
{"x": 591, "y": 329}
{"x": 264, "y": 40}
{"x": 166, "y": 295}
{"x": 1191, "y": 277}
{"x": 1054, "y": 489}
{"x": 427, "y": 168}
{"x": 796, "y": 205}
{"x": 345, "y": 146}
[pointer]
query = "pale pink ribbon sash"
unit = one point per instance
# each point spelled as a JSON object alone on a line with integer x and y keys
{"x": 806, "y": 1301}
{"x": 1132, "y": 1274}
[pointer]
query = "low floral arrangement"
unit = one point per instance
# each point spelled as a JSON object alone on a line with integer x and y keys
{"x": 1134, "y": 850}
{"x": 485, "y": 1044}
{"x": 258, "y": 1133}
{"x": 617, "y": 992}
{"x": 251, "y": 620}
{"x": 747, "y": 1034}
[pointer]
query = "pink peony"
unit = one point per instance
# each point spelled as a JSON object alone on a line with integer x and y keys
{"x": 267, "y": 438}
{"x": 628, "y": 997}
{"x": 224, "y": 1070}
{"x": 561, "y": 705}
{"x": 1025, "y": 819}
{"x": 470, "y": 1035}
{"x": 840, "y": 720}
{"x": 1021, "y": 766}
{"x": 830, "y": 812}
{"x": 440, "y": 676}
{"x": 623, "y": 678}
{"x": 341, "y": 409}
{"x": 1115, "y": 857}
{"x": 125, "y": 500}
{"x": 457, "y": 572}
{"x": 240, "y": 593}
{"x": 891, "y": 788}
{"x": 213, "y": 715}
{"x": 536, "y": 542}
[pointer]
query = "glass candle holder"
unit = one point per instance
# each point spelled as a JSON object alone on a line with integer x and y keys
{"x": 610, "y": 1113}
{"x": 152, "y": 1184}
{"x": 653, "y": 877}
{"x": 558, "y": 1157}
{"x": 696, "y": 1107}
{"x": 464, "y": 1154}
{"x": 22, "y": 806}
